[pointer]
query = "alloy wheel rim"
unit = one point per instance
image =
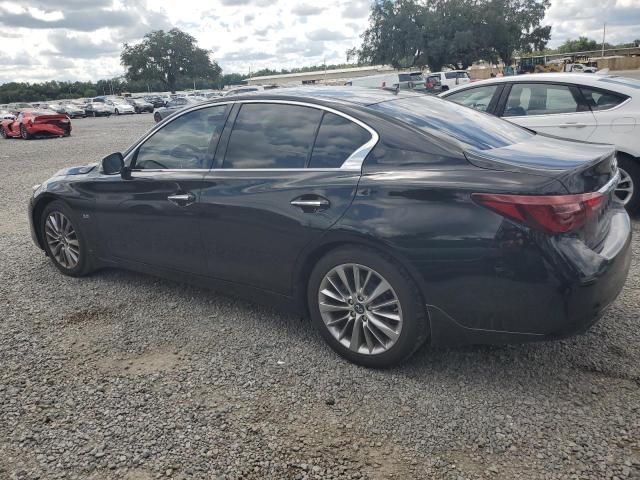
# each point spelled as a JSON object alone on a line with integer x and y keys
{"x": 62, "y": 240}
{"x": 360, "y": 309}
{"x": 624, "y": 190}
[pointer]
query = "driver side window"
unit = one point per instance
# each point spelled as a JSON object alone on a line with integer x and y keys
{"x": 184, "y": 142}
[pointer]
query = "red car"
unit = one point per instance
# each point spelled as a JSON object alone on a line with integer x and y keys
{"x": 30, "y": 123}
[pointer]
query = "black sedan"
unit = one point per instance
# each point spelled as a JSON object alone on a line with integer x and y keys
{"x": 390, "y": 219}
{"x": 140, "y": 105}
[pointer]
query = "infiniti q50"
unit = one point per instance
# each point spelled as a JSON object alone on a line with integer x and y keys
{"x": 390, "y": 219}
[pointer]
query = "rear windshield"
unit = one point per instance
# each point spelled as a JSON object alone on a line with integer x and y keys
{"x": 627, "y": 82}
{"x": 456, "y": 75}
{"x": 436, "y": 116}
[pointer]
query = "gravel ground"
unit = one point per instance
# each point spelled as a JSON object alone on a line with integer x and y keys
{"x": 124, "y": 376}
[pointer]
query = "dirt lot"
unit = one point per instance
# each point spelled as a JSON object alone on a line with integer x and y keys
{"x": 123, "y": 376}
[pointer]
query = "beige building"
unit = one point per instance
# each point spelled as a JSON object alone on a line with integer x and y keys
{"x": 328, "y": 77}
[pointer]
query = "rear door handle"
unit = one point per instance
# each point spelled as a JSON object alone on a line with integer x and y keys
{"x": 573, "y": 125}
{"x": 182, "y": 199}
{"x": 311, "y": 204}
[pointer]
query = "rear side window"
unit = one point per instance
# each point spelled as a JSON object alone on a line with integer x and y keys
{"x": 272, "y": 136}
{"x": 440, "y": 117}
{"x": 600, "y": 99}
{"x": 477, "y": 98}
{"x": 337, "y": 139}
{"x": 540, "y": 99}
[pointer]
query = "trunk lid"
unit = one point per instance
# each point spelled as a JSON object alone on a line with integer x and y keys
{"x": 581, "y": 167}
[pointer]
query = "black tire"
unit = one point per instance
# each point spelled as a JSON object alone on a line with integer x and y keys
{"x": 632, "y": 167}
{"x": 83, "y": 267}
{"x": 116, "y": 112}
{"x": 24, "y": 134}
{"x": 3, "y": 133}
{"x": 414, "y": 330}
{"x": 157, "y": 117}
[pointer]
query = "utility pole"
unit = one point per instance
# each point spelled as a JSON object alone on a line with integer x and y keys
{"x": 604, "y": 32}
{"x": 325, "y": 69}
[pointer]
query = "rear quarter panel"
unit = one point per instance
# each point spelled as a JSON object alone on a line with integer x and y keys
{"x": 483, "y": 271}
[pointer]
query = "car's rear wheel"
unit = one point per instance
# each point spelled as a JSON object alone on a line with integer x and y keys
{"x": 64, "y": 240}
{"x": 627, "y": 189}
{"x": 366, "y": 307}
{"x": 24, "y": 133}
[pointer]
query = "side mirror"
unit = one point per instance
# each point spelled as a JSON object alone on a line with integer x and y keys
{"x": 113, "y": 164}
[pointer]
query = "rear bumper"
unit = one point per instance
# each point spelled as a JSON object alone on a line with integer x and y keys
{"x": 32, "y": 227}
{"x": 47, "y": 129}
{"x": 572, "y": 288}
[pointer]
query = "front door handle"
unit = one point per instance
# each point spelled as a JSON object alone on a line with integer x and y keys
{"x": 182, "y": 199}
{"x": 311, "y": 204}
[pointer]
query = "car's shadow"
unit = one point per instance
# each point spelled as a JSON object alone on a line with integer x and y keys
{"x": 604, "y": 350}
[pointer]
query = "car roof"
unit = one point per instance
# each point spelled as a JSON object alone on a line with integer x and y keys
{"x": 609, "y": 82}
{"x": 346, "y": 95}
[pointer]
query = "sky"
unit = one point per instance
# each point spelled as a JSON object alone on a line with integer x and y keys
{"x": 82, "y": 39}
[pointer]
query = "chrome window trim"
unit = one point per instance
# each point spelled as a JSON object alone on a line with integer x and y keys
{"x": 352, "y": 163}
{"x": 611, "y": 183}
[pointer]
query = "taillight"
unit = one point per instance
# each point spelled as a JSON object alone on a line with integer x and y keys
{"x": 550, "y": 213}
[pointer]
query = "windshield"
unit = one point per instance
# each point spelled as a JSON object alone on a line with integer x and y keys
{"x": 470, "y": 127}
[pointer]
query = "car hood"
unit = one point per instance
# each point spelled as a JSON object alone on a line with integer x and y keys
{"x": 81, "y": 170}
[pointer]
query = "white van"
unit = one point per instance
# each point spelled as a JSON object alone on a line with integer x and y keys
{"x": 403, "y": 80}
{"x": 450, "y": 79}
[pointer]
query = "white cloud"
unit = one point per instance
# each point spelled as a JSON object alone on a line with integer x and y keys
{"x": 81, "y": 39}
{"x": 575, "y": 18}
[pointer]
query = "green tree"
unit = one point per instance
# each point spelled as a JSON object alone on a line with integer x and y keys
{"x": 582, "y": 44}
{"x": 414, "y": 33}
{"x": 395, "y": 35}
{"x": 168, "y": 57}
{"x": 515, "y": 25}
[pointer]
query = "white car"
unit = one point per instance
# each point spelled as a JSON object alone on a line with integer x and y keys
{"x": 593, "y": 108}
{"x": 450, "y": 79}
{"x": 579, "y": 68}
{"x": 119, "y": 107}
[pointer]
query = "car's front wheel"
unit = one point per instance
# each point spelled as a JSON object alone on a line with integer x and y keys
{"x": 627, "y": 189}
{"x": 64, "y": 240}
{"x": 24, "y": 133}
{"x": 366, "y": 307}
